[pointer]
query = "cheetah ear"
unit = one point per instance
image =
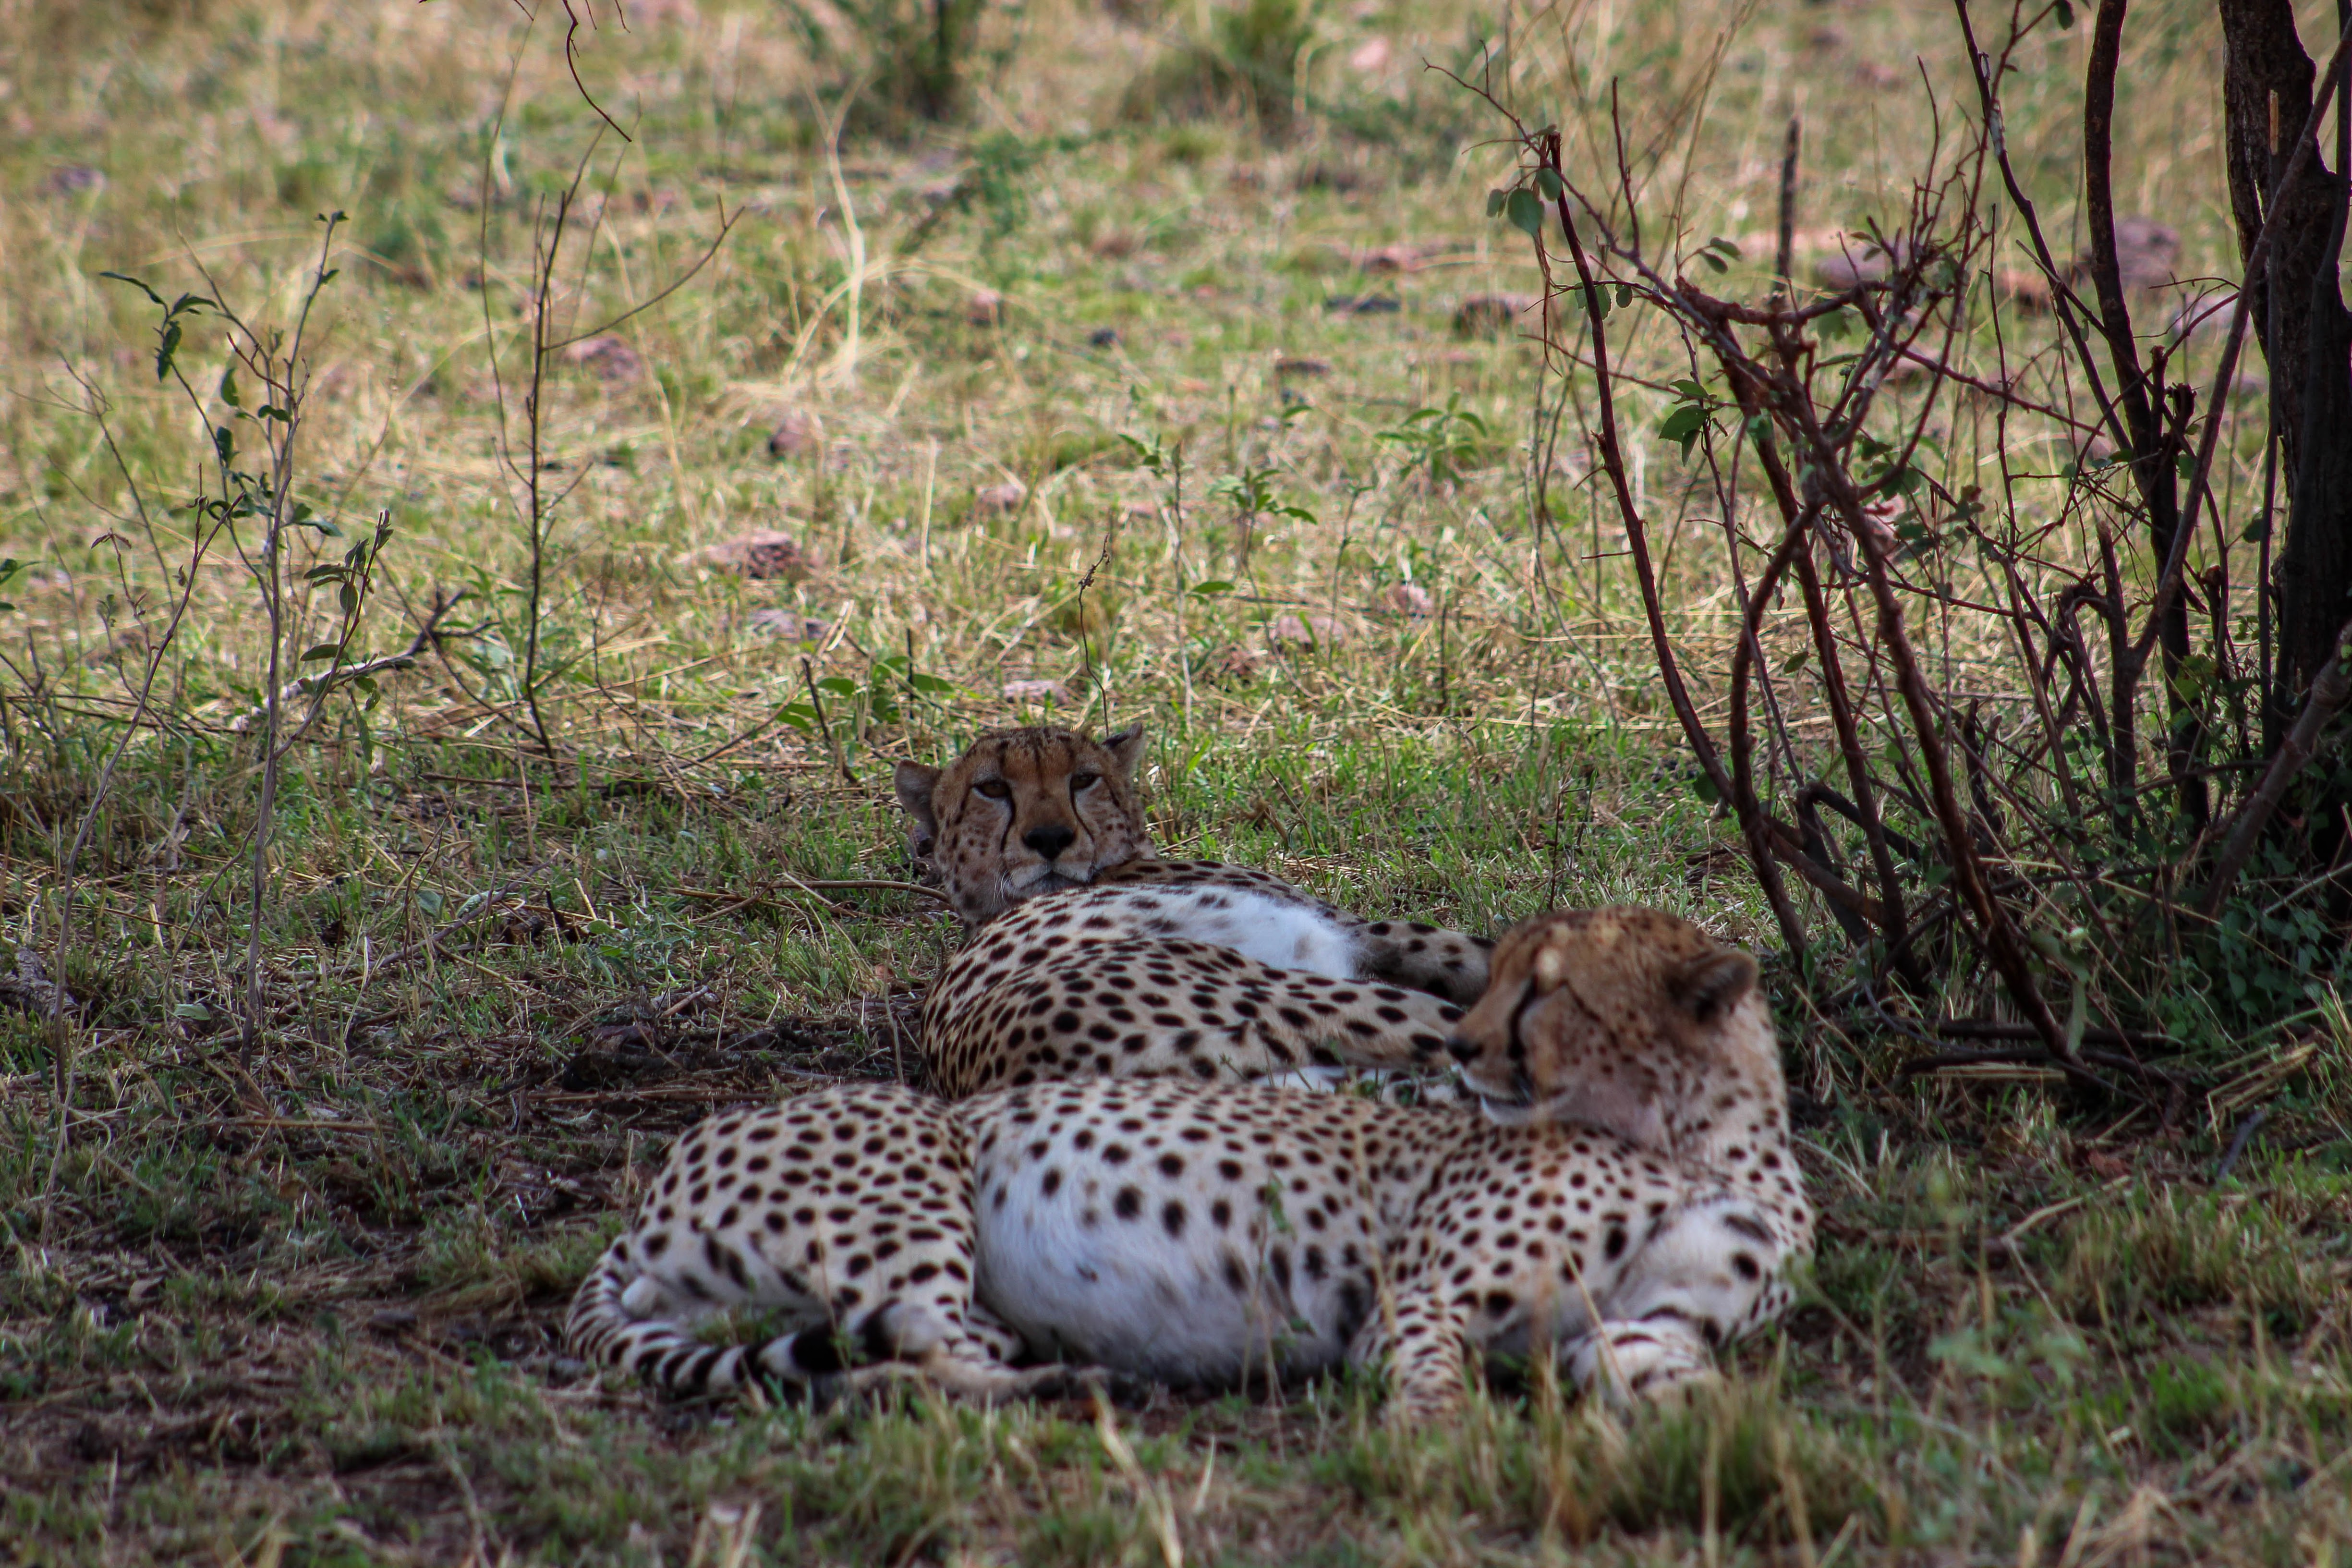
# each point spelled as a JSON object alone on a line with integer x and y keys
{"x": 1712, "y": 984}
{"x": 914, "y": 783}
{"x": 1126, "y": 749}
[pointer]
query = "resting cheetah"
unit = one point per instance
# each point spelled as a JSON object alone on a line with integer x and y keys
{"x": 1630, "y": 1203}
{"x": 1091, "y": 954}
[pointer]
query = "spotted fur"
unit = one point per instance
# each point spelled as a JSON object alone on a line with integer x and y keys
{"x": 1195, "y": 1233}
{"x": 1081, "y": 963}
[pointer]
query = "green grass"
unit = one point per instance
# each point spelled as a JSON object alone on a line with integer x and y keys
{"x": 305, "y": 1309}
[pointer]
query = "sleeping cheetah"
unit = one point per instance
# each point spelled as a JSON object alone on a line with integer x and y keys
{"x": 1091, "y": 954}
{"x": 1628, "y": 1203}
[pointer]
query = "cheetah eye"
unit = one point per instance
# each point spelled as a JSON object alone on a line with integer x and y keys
{"x": 1085, "y": 780}
{"x": 994, "y": 789}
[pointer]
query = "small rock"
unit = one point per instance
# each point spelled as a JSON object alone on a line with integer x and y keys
{"x": 796, "y": 435}
{"x": 1878, "y": 519}
{"x": 1035, "y": 691}
{"x": 125, "y": 641}
{"x": 1492, "y": 315}
{"x": 2146, "y": 255}
{"x": 760, "y": 555}
{"x": 1408, "y": 257}
{"x": 1331, "y": 177}
{"x": 1411, "y": 598}
{"x": 2024, "y": 287}
{"x": 608, "y": 357}
{"x": 1231, "y": 667}
{"x": 984, "y": 309}
{"x": 1000, "y": 497}
{"x": 72, "y": 180}
{"x": 1302, "y": 365}
{"x": 1369, "y": 56}
{"x": 1312, "y": 631}
{"x": 1103, "y": 337}
{"x": 789, "y": 624}
{"x": 1363, "y": 304}
{"x": 1858, "y": 259}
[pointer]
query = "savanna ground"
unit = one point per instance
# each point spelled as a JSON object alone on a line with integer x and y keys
{"x": 297, "y": 1298}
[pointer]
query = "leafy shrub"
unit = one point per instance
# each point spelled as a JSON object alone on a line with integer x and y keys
{"x": 907, "y": 60}
{"x": 1245, "y": 59}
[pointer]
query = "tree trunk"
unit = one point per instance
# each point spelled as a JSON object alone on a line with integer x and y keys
{"x": 2305, "y": 333}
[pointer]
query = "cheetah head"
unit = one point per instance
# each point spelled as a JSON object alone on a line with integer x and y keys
{"x": 1025, "y": 812}
{"x": 1629, "y": 1020}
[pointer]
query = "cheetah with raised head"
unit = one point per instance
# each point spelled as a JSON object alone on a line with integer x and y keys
{"x": 1629, "y": 1200}
{"x": 1089, "y": 954}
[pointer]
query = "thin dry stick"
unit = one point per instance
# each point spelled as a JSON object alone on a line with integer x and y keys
{"x": 1768, "y": 873}
{"x": 288, "y": 396}
{"x": 61, "y": 1043}
{"x": 2000, "y": 936}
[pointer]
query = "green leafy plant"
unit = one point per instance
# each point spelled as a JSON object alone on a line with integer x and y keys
{"x": 1245, "y": 57}
{"x": 907, "y": 60}
{"x": 1446, "y": 443}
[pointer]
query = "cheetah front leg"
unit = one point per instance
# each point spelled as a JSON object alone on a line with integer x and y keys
{"x": 1426, "y": 1349}
{"x": 1450, "y": 964}
{"x": 1708, "y": 1274}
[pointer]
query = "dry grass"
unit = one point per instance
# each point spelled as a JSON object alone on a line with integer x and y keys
{"x": 303, "y": 1309}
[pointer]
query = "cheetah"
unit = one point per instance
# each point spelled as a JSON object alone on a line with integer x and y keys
{"x": 1627, "y": 1201}
{"x": 1089, "y": 954}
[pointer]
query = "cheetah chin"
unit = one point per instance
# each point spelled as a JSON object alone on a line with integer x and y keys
{"x": 1642, "y": 1210}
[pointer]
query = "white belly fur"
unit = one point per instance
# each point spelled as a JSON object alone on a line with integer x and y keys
{"x": 1274, "y": 931}
{"x": 1124, "y": 1293}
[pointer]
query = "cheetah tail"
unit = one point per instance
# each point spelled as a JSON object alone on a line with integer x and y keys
{"x": 602, "y": 1329}
{"x": 666, "y": 1353}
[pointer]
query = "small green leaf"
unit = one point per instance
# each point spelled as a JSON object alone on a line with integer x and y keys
{"x": 1703, "y": 786}
{"x": 1495, "y": 200}
{"x": 349, "y": 596}
{"x": 324, "y": 650}
{"x": 224, "y": 443}
{"x": 1211, "y": 588}
{"x": 1625, "y": 295}
{"x": 1549, "y": 185}
{"x": 2066, "y": 16}
{"x": 1526, "y": 213}
{"x": 169, "y": 346}
{"x": 839, "y": 685}
{"x": 2257, "y": 531}
{"x": 194, "y": 1010}
{"x": 930, "y": 683}
{"x": 126, "y": 278}
{"x": 228, "y": 393}
{"x": 1714, "y": 261}
{"x": 800, "y": 716}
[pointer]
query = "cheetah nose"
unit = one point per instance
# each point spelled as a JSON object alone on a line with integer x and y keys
{"x": 1462, "y": 1049}
{"x": 1049, "y": 841}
